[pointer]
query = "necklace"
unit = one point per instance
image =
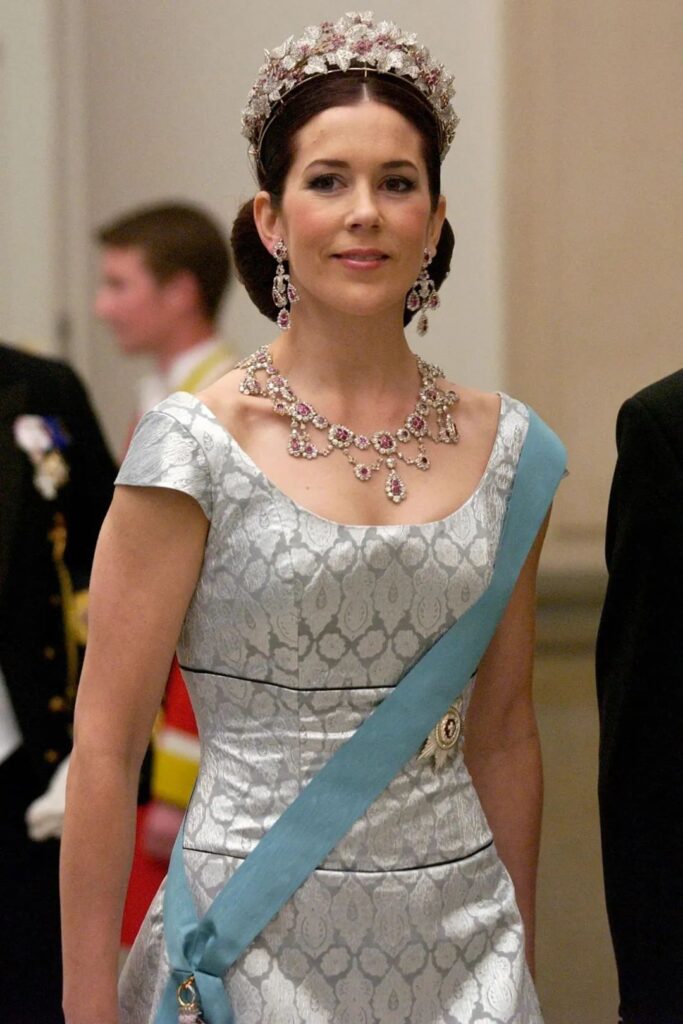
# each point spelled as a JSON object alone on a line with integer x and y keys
{"x": 389, "y": 446}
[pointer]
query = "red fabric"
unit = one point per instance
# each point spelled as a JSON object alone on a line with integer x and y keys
{"x": 146, "y": 876}
{"x": 147, "y": 873}
{"x": 178, "y": 713}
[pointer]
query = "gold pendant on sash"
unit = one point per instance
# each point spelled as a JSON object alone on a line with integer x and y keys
{"x": 443, "y": 739}
{"x": 189, "y": 1010}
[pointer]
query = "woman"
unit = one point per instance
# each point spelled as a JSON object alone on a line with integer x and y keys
{"x": 313, "y": 563}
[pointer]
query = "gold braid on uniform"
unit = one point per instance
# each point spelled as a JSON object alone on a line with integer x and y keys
{"x": 74, "y": 608}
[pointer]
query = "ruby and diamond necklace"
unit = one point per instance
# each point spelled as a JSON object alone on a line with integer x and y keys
{"x": 386, "y": 448}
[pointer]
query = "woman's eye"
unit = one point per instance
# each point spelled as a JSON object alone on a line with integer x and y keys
{"x": 331, "y": 182}
{"x": 323, "y": 182}
{"x": 396, "y": 184}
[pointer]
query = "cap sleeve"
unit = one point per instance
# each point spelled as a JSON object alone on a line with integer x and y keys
{"x": 164, "y": 453}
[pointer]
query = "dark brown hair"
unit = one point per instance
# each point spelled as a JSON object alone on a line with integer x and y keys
{"x": 255, "y": 266}
{"x": 175, "y": 237}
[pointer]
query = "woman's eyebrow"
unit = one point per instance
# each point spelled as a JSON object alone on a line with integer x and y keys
{"x": 388, "y": 165}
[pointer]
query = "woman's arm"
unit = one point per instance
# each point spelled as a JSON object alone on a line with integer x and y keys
{"x": 502, "y": 748}
{"x": 146, "y": 566}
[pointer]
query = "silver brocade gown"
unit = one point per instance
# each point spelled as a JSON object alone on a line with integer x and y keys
{"x": 298, "y": 627}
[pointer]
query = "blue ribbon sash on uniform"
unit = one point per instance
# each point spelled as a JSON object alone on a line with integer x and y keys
{"x": 314, "y": 823}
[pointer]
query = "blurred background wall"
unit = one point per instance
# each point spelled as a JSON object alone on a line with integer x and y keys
{"x": 593, "y": 235}
{"x": 565, "y": 190}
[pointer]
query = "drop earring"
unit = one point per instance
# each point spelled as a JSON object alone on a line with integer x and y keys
{"x": 284, "y": 292}
{"x": 423, "y": 295}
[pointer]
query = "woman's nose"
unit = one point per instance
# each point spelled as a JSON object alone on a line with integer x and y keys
{"x": 363, "y": 210}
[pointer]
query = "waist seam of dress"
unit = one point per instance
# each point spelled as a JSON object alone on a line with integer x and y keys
{"x": 283, "y": 686}
{"x": 361, "y": 871}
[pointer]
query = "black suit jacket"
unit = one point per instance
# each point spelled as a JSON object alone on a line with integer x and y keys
{"x": 32, "y": 636}
{"x": 640, "y": 693}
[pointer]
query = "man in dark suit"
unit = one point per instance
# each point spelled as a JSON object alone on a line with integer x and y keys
{"x": 56, "y": 482}
{"x": 640, "y": 693}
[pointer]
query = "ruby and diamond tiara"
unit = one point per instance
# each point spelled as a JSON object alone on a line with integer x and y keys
{"x": 352, "y": 42}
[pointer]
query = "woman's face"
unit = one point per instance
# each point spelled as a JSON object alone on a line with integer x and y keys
{"x": 356, "y": 211}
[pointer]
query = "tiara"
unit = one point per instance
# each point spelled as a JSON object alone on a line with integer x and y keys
{"x": 353, "y": 42}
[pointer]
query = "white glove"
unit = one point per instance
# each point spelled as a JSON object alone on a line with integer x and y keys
{"x": 45, "y": 816}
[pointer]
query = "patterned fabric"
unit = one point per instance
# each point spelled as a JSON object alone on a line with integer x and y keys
{"x": 297, "y": 629}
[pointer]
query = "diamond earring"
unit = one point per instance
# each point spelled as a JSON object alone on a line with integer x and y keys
{"x": 284, "y": 292}
{"x": 423, "y": 295}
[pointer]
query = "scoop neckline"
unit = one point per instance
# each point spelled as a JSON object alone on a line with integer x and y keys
{"x": 273, "y": 487}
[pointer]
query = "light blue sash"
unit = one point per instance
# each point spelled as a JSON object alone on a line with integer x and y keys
{"x": 355, "y": 775}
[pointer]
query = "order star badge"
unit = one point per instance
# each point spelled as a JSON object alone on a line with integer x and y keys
{"x": 442, "y": 741}
{"x": 43, "y": 438}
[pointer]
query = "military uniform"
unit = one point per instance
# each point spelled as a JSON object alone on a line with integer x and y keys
{"x": 53, "y": 497}
{"x": 639, "y": 674}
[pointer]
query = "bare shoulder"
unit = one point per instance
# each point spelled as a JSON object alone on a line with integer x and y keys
{"x": 237, "y": 412}
{"x": 477, "y": 412}
{"x": 224, "y": 393}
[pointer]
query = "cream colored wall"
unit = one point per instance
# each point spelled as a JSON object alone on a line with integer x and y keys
{"x": 29, "y": 261}
{"x": 165, "y": 83}
{"x": 593, "y": 187}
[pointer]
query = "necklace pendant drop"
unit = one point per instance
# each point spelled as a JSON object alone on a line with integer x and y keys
{"x": 395, "y": 489}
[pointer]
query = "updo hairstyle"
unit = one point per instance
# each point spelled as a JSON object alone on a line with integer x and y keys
{"x": 254, "y": 264}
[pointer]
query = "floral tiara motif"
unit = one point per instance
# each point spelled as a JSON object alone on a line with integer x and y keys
{"x": 352, "y": 42}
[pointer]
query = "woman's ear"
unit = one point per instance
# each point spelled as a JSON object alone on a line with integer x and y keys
{"x": 267, "y": 220}
{"x": 436, "y": 223}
